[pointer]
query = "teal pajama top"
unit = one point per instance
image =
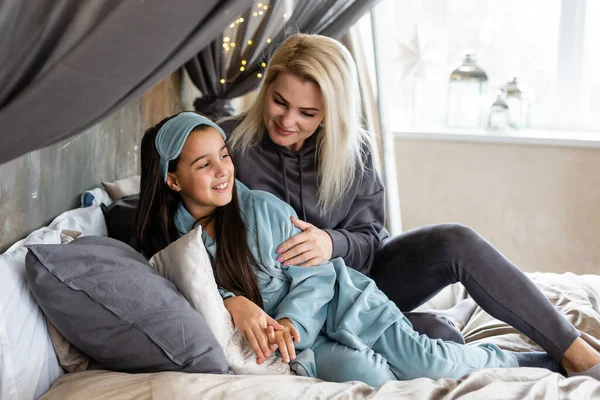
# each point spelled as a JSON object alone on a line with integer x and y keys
{"x": 339, "y": 311}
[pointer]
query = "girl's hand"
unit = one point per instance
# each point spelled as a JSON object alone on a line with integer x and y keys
{"x": 284, "y": 339}
{"x": 254, "y": 324}
{"x": 307, "y": 249}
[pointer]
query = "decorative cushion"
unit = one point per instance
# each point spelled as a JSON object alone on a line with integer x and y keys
{"x": 95, "y": 197}
{"x": 70, "y": 358}
{"x": 107, "y": 301}
{"x": 122, "y": 187}
{"x": 186, "y": 263}
{"x": 67, "y": 236}
{"x": 120, "y": 219}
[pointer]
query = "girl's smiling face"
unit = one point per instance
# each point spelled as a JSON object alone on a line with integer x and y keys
{"x": 205, "y": 174}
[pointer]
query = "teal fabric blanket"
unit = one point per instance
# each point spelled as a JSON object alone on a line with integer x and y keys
{"x": 339, "y": 313}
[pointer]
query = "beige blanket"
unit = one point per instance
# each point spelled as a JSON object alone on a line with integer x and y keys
{"x": 577, "y": 297}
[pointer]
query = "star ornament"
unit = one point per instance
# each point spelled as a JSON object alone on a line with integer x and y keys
{"x": 420, "y": 55}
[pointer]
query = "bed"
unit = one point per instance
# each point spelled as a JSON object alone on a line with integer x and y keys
{"x": 31, "y": 374}
{"x": 576, "y": 296}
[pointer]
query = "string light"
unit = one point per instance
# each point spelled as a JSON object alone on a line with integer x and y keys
{"x": 259, "y": 5}
{"x": 229, "y": 45}
{"x": 284, "y": 15}
{"x": 222, "y": 81}
{"x": 264, "y": 64}
{"x": 259, "y": 75}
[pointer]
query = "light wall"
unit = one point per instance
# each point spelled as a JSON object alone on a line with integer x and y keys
{"x": 539, "y": 205}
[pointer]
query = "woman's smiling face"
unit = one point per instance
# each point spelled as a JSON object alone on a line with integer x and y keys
{"x": 293, "y": 111}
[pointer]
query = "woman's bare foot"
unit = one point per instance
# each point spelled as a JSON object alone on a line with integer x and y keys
{"x": 579, "y": 357}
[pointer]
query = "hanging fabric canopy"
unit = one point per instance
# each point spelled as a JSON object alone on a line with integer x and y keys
{"x": 66, "y": 64}
{"x": 233, "y": 63}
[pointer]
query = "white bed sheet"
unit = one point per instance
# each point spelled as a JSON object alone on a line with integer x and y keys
{"x": 576, "y": 296}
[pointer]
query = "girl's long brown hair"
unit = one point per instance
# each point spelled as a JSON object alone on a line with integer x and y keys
{"x": 155, "y": 224}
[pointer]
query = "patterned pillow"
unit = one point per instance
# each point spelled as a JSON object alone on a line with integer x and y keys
{"x": 186, "y": 263}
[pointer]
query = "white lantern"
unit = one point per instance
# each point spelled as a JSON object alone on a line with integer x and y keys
{"x": 499, "y": 113}
{"x": 468, "y": 85}
{"x": 519, "y": 105}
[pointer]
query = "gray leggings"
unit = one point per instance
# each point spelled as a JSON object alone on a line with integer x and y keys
{"x": 411, "y": 268}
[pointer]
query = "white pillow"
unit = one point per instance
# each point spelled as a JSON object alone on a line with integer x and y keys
{"x": 89, "y": 221}
{"x": 28, "y": 363}
{"x": 186, "y": 263}
{"x": 122, "y": 187}
{"x": 95, "y": 197}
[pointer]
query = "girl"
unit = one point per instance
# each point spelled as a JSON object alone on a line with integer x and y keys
{"x": 329, "y": 312}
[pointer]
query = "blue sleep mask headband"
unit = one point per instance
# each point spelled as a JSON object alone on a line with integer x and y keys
{"x": 172, "y": 136}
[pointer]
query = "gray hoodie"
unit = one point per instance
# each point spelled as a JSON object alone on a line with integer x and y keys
{"x": 356, "y": 224}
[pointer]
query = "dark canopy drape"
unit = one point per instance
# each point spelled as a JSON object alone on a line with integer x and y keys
{"x": 224, "y": 71}
{"x": 66, "y": 64}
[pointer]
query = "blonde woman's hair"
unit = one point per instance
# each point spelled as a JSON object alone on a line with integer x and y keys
{"x": 341, "y": 141}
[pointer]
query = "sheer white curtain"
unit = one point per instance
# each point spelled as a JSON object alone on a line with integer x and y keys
{"x": 550, "y": 44}
{"x": 359, "y": 41}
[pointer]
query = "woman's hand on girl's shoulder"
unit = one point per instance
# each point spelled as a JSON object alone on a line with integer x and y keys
{"x": 307, "y": 249}
{"x": 254, "y": 324}
{"x": 284, "y": 339}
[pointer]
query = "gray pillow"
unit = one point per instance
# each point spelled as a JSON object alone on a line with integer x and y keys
{"x": 108, "y": 301}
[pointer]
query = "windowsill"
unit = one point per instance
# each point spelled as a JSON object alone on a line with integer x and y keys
{"x": 525, "y": 136}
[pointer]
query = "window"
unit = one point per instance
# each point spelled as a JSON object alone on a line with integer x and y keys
{"x": 548, "y": 44}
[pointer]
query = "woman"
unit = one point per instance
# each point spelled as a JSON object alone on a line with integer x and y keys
{"x": 302, "y": 141}
{"x": 325, "y": 311}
